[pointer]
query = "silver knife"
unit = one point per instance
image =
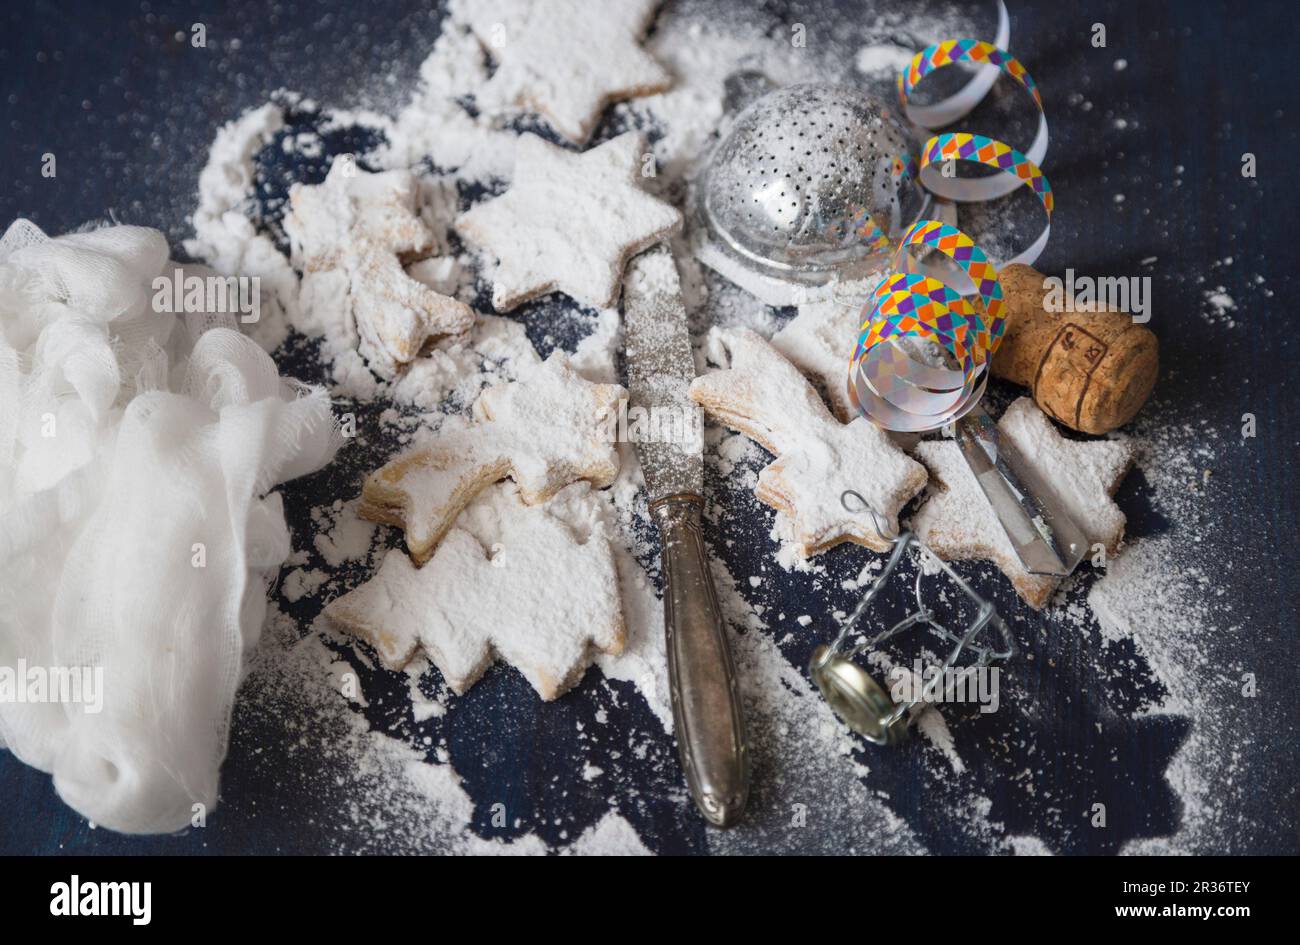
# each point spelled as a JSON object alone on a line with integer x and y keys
{"x": 702, "y": 679}
{"x": 1046, "y": 539}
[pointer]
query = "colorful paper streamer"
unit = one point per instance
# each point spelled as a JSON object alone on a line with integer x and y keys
{"x": 953, "y": 315}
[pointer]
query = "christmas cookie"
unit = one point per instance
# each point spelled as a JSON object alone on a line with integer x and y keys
{"x": 958, "y": 523}
{"x": 569, "y": 222}
{"x": 763, "y": 396}
{"x": 821, "y": 338}
{"x": 565, "y": 60}
{"x": 510, "y": 580}
{"x": 545, "y": 430}
{"x": 350, "y": 236}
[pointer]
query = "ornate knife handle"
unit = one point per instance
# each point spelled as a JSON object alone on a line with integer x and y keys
{"x": 706, "y": 703}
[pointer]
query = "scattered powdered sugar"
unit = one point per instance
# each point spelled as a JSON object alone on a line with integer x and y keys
{"x": 929, "y": 720}
{"x": 883, "y": 61}
{"x": 1144, "y": 593}
{"x": 612, "y": 836}
{"x": 226, "y": 235}
{"x": 384, "y": 795}
{"x": 1027, "y": 846}
{"x": 1151, "y": 596}
{"x": 701, "y": 54}
{"x": 1219, "y": 306}
{"x": 435, "y": 125}
{"x": 341, "y": 534}
{"x": 1161, "y": 595}
{"x": 302, "y": 582}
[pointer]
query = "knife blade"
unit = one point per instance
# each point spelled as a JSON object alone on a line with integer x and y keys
{"x": 1046, "y": 539}
{"x": 660, "y": 369}
{"x": 669, "y": 444}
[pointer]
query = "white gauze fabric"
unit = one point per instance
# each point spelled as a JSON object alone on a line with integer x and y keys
{"x": 138, "y": 532}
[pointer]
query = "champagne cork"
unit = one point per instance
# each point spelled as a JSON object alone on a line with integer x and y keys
{"x": 1092, "y": 371}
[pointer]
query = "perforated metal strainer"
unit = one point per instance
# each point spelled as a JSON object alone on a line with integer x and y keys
{"x": 809, "y": 186}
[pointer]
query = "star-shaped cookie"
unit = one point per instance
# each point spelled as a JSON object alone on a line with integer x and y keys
{"x": 545, "y": 430}
{"x": 763, "y": 396}
{"x": 566, "y": 59}
{"x": 820, "y": 340}
{"x": 958, "y": 523}
{"x": 355, "y": 230}
{"x": 511, "y": 580}
{"x": 569, "y": 222}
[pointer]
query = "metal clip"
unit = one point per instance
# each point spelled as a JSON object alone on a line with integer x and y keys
{"x": 864, "y": 705}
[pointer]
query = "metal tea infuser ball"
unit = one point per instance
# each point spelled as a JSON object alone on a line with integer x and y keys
{"x": 815, "y": 184}
{"x": 810, "y": 186}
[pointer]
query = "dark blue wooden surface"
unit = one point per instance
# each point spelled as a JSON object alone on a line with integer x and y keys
{"x": 129, "y": 109}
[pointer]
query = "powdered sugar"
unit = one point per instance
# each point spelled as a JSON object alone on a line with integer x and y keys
{"x": 1162, "y": 597}
{"x": 701, "y": 53}
{"x": 1219, "y": 306}
{"x": 883, "y": 61}
{"x": 225, "y": 225}
{"x": 434, "y": 125}
{"x": 388, "y": 796}
{"x": 341, "y": 535}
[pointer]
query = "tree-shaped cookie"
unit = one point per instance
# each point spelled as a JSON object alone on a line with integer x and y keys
{"x": 511, "y": 580}
{"x": 569, "y": 222}
{"x": 957, "y": 522}
{"x": 566, "y": 59}
{"x": 359, "y": 228}
{"x": 763, "y": 396}
{"x": 545, "y": 430}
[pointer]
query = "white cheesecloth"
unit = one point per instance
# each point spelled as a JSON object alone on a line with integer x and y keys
{"x": 138, "y": 532}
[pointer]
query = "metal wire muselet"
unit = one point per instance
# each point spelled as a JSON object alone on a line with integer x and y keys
{"x": 856, "y": 697}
